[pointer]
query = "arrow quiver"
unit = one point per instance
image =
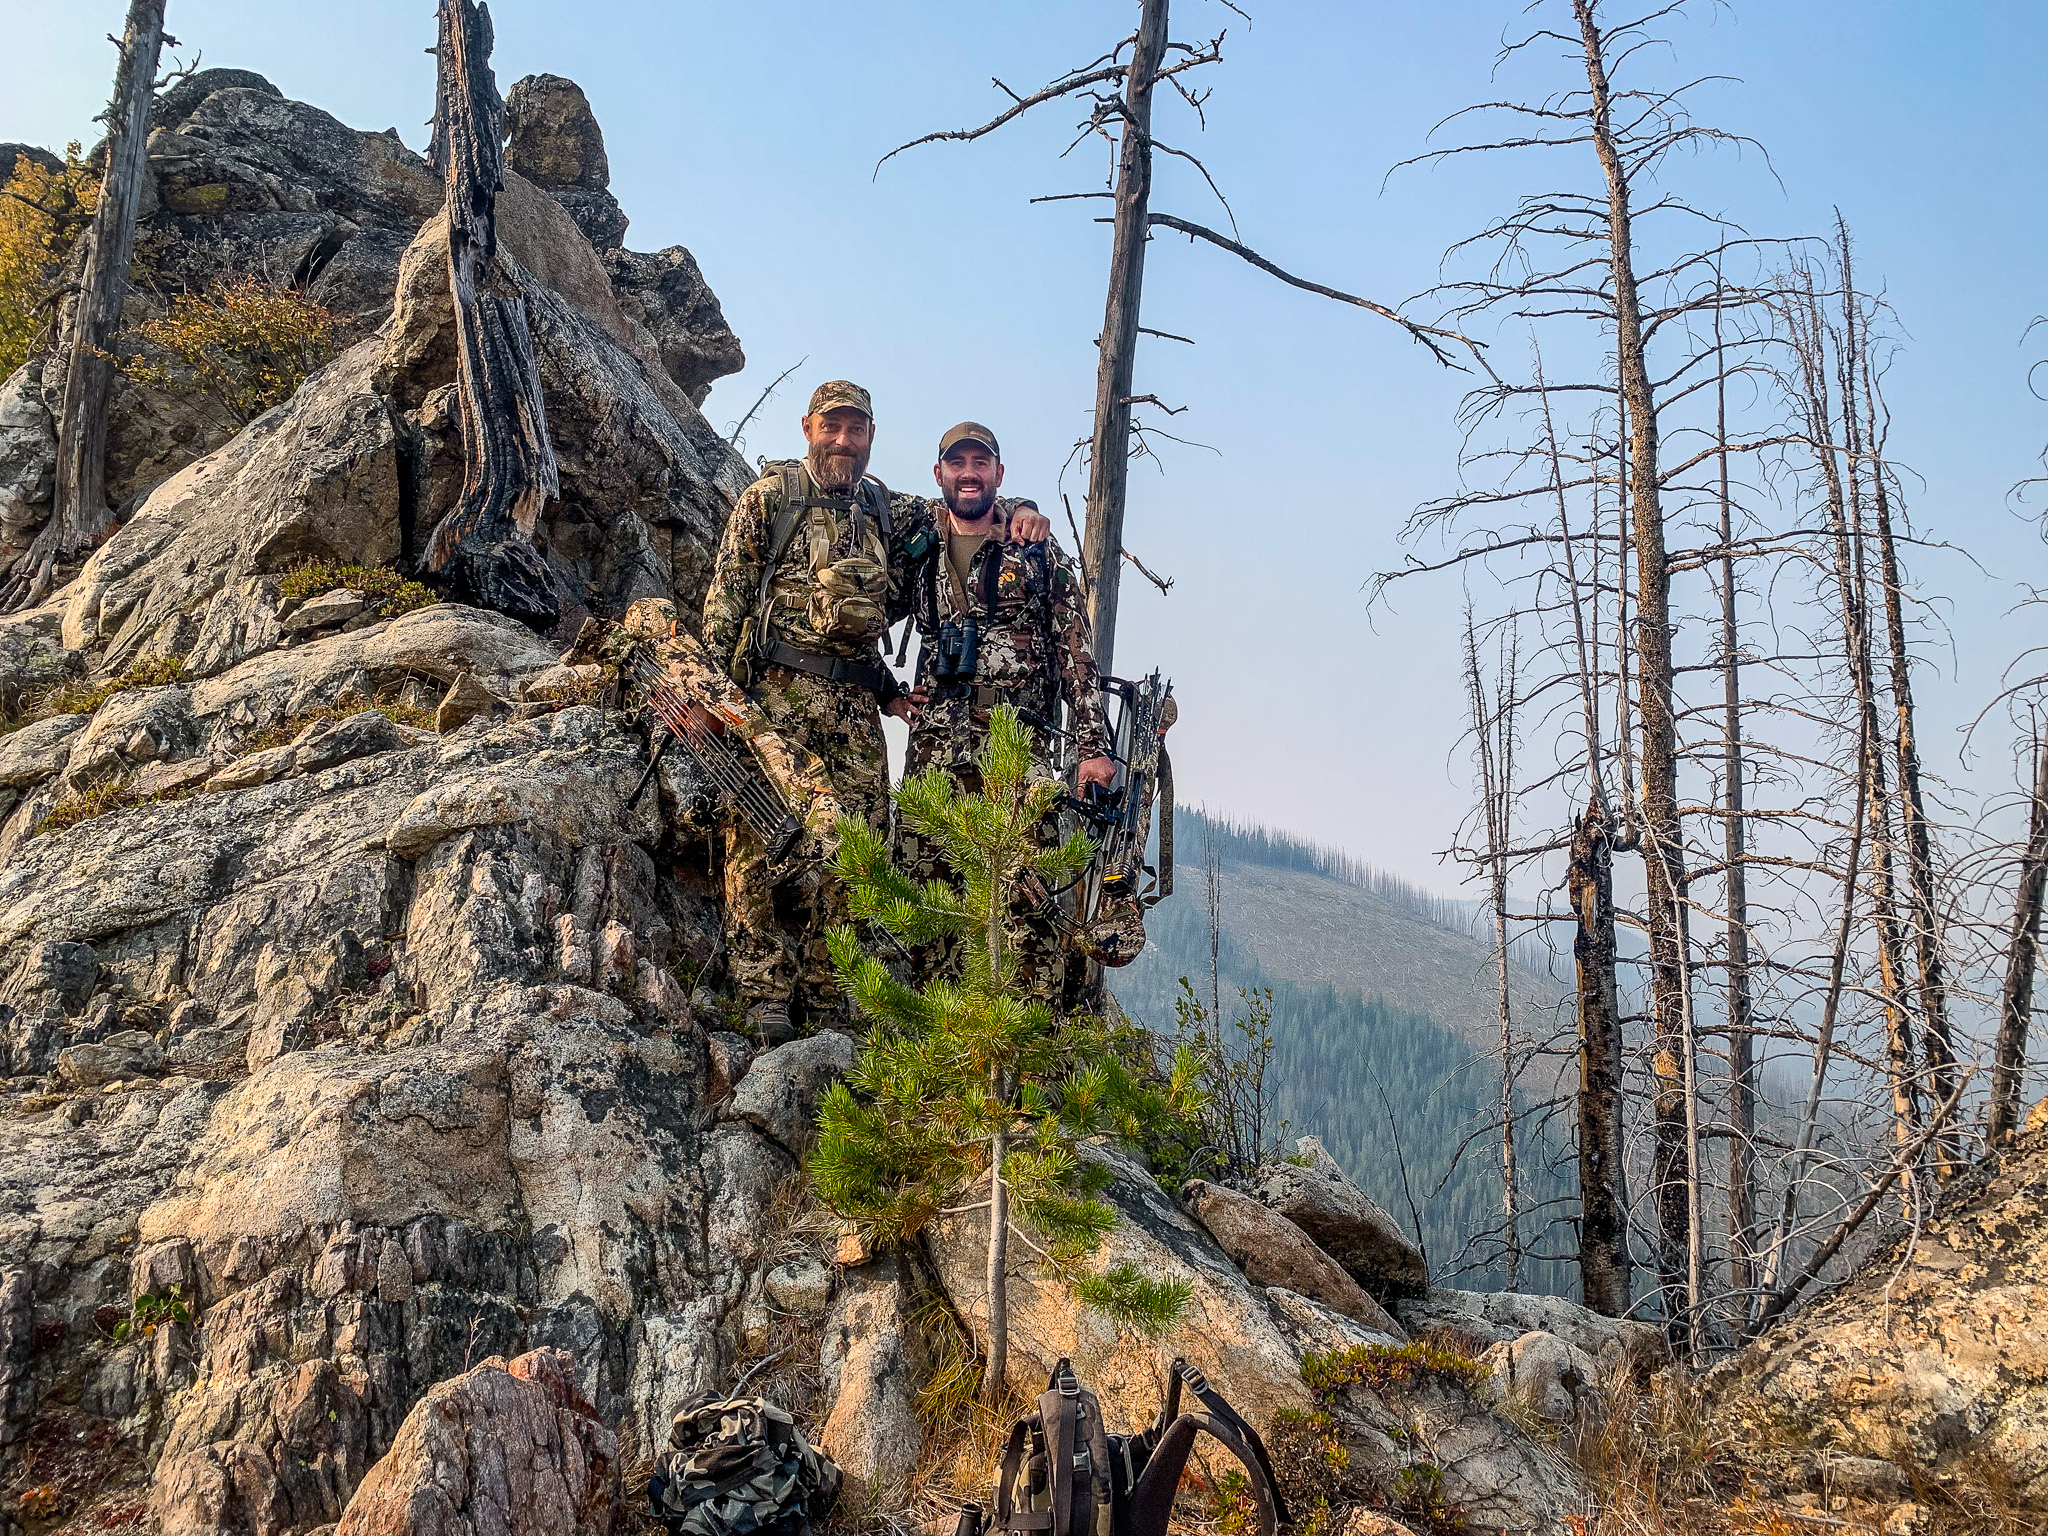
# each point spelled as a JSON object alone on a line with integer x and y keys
{"x": 777, "y": 787}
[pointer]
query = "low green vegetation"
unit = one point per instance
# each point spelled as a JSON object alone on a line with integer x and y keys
{"x": 386, "y": 591}
{"x": 82, "y": 696}
{"x": 1380, "y": 1366}
{"x": 102, "y": 797}
{"x": 968, "y": 1095}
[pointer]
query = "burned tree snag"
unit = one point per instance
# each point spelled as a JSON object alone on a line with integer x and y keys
{"x": 79, "y": 515}
{"x": 482, "y": 552}
{"x": 1605, "y": 1277}
{"x": 2016, "y": 1003}
{"x": 1109, "y": 457}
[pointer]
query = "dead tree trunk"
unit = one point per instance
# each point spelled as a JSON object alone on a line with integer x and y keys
{"x": 1937, "y": 1041}
{"x": 1741, "y": 1039}
{"x": 2016, "y": 1000}
{"x": 482, "y": 552}
{"x": 1663, "y": 856}
{"x": 79, "y": 515}
{"x": 1605, "y": 1277}
{"x": 1109, "y": 457}
{"x": 1493, "y": 735}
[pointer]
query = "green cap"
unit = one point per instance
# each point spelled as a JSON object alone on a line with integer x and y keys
{"x": 837, "y": 392}
{"x": 969, "y": 432}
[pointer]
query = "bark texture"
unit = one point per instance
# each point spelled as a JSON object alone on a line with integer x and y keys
{"x": 482, "y": 552}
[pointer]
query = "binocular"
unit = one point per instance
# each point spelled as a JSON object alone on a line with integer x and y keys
{"x": 956, "y": 652}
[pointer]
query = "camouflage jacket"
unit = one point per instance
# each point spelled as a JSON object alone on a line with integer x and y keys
{"x": 1033, "y": 642}
{"x": 736, "y": 577}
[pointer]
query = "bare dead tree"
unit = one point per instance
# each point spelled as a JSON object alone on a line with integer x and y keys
{"x": 1493, "y": 736}
{"x": 482, "y": 551}
{"x": 2022, "y": 959}
{"x": 79, "y": 514}
{"x": 1119, "y": 87}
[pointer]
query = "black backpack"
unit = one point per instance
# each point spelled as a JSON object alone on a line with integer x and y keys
{"x": 1064, "y": 1474}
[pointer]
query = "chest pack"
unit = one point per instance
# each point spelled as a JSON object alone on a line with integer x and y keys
{"x": 847, "y": 594}
{"x": 739, "y": 1466}
{"x": 1064, "y": 1474}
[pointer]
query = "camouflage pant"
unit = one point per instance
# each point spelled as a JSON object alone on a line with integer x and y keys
{"x": 775, "y": 934}
{"x": 1041, "y": 950}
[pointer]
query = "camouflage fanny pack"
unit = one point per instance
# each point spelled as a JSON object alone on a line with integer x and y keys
{"x": 737, "y": 1466}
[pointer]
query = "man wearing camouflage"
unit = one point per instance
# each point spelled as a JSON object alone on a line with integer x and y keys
{"x": 810, "y": 574}
{"x": 1023, "y": 605}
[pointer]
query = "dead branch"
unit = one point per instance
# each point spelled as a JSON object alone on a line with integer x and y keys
{"x": 1428, "y": 335}
{"x": 1163, "y": 583}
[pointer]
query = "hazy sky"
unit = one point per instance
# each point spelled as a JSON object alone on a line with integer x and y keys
{"x": 749, "y": 132}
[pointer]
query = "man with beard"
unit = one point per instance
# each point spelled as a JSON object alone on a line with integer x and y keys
{"x": 810, "y": 574}
{"x": 1021, "y": 602}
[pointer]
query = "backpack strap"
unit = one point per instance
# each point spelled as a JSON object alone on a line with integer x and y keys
{"x": 1150, "y": 1505}
{"x": 1007, "y": 1516}
{"x": 1220, "y": 1411}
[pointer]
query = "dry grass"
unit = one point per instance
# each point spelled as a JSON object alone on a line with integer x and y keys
{"x": 101, "y": 797}
{"x": 1655, "y": 1464}
{"x": 81, "y": 696}
{"x": 286, "y": 730}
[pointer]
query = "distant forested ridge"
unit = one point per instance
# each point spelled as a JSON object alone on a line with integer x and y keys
{"x": 1404, "y": 1101}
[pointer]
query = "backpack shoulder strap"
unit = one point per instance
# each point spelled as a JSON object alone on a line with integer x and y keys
{"x": 878, "y": 495}
{"x": 1151, "y": 1502}
{"x": 1007, "y": 1516}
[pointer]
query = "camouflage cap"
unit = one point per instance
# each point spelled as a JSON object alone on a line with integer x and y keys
{"x": 968, "y": 432}
{"x": 838, "y": 392}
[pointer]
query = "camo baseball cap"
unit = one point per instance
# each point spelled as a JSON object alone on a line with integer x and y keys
{"x": 838, "y": 392}
{"x": 968, "y": 432}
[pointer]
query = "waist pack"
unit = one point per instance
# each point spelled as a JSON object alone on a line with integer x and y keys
{"x": 736, "y": 1466}
{"x": 1063, "y": 1473}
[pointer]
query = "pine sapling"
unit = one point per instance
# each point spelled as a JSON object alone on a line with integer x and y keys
{"x": 965, "y": 1088}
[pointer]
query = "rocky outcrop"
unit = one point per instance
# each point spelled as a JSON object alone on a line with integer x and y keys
{"x": 1479, "y": 1320}
{"x": 1310, "y": 1190}
{"x": 552, "y": 139}
{"x": 1931, "y": 1352}
{"x": 1273, "y": 1251}
{"x": 1226, "y": 1329}
{"x": 243, "y": 179}
{"x": 508, "y": 1449}
{"x": 779, "y": 1095}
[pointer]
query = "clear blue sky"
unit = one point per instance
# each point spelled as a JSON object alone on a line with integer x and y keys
{"x": 748, "y": 133}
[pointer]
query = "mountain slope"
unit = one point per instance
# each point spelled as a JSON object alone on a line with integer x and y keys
{"x": 1383, "y": 1021}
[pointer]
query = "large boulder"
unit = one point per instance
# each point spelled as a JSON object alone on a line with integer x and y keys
{"x": 553, "y": 141}
{"x": 1478, "y": 1320}
{"x": 1273, "y": 1251}
{"x": 1931, "y": 1351}
{"x": 871, "y": 1366}
{"x": 666, "y": 293}
{"x": 1404, "y": 1430}
{"x": 506, "y": 1449}
{"x": 1226, "y": 1329}
{"x": 1310, "y": 1190}
{"x": 28, "y": 460}
{"x": 1554, "y": 1379}
{"x": 780, "y": 1093}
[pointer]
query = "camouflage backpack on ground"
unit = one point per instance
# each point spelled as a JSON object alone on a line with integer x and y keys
{"x": 738, "y": 1466}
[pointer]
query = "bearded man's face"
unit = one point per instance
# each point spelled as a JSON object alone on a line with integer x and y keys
{"x": 840, "y": 441}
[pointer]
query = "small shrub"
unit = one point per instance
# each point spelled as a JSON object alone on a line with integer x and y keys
{"x": 102, "y": 797}
{"x": 39, "y": 224}
{"x": 153, "y": 1310}
{"x": 243, "y": 347}
{"x": 1386, "y": 1365}
{"x": 387, "y": 592}
{"x": 82, "y": 696}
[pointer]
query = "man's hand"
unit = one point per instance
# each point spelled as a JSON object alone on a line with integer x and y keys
{"x": 905, "y": 706}
{"x": 1097, "y": 770}
{"x": 1028, "y": 525}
